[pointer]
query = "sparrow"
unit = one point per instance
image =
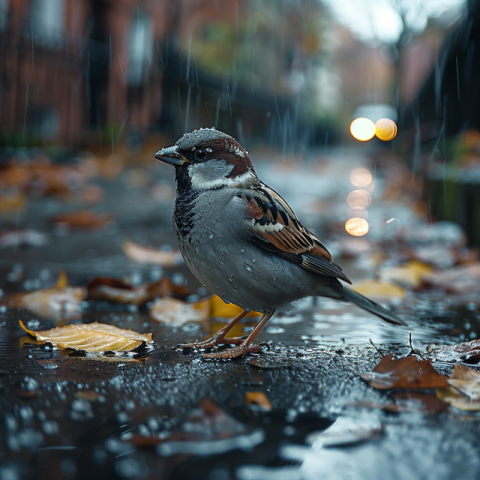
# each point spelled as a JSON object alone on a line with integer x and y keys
{"x": 243, "y": 242}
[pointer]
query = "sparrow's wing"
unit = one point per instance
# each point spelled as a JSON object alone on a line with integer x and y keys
{"x": 276, "y": 228}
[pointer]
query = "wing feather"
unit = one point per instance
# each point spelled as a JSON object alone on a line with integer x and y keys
{"x": 276, "y": 228}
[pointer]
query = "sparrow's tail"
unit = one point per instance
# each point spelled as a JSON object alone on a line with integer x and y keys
{"x": 369, "y": 305}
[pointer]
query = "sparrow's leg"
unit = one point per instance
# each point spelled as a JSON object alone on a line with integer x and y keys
{"x": 219, "y": 337}
{"x": 244, "y": 347}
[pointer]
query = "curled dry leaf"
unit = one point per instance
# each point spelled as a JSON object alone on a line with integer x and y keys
{"x": 406, "y": 372}
{"x": 259, "y": 399}
{"x": 376, "y": 289}
{"x": 463, "y": 352}
{"x": 92, "y": 338}
{"x": 82, "y": 219}
{"x": 140, "y": 253}
{"x": 58, "y": 302}
{"x": 175, "y": 312}
{"x": 119, "y": 291}
{"x": 409, "y": 274}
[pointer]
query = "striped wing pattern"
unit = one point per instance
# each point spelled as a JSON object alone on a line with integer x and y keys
{"x": 276, "y": 228}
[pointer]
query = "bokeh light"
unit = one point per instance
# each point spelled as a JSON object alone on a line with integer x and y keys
{"x": 357, "y": 227}
{"x": 359, "y": 199}
{"x": 385, "y": 129}
{"x": 361, "y": 177}
{"x": 362, "y": 129}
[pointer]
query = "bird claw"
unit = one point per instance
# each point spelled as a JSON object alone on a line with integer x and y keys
{"x": 233, "y": 352}
{"x": 210, "y": 343}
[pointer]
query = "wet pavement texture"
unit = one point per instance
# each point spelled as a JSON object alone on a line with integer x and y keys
{"x": 170, "y": 415}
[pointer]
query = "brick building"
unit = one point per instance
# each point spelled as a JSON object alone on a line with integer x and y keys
{"x": 77, "y": 71}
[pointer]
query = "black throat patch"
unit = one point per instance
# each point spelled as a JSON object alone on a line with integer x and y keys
{"x": 184, "y": 202}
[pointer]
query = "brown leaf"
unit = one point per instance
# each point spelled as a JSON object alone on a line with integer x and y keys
{"x": 57, "y": 302}
{"x": 259, "y": 399}
{"x": 463, "y": 352}
{"x": 119, "y": 291}
{"x": 175, "y": 312}
{"x": 140, "y": 253}
{"x": 93, "y": 337}
{"x": 406, "y": 372}
{"x": 82, "y": 219}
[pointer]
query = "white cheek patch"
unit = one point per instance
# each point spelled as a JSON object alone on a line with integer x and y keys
{"x": 213, "y": 174}
{"x": 268, "y": 228}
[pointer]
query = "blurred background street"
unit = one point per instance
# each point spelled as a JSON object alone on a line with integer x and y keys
{"x": 363, "y": 115}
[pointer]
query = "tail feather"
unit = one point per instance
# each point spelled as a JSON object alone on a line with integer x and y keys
{"x": 370, "y": 306}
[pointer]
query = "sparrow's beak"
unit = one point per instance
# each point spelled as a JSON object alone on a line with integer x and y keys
{"x": 170, "y": 155}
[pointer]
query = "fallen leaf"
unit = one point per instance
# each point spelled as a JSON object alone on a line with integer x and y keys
{"x": 466, "y": 380}
{"x": 346, "y": 431}
{"x": 221, "y": 309}
{"x": 140, "y": 253}
{"x": 119, "y": 291}
{"x": 409, "y": 274}
{"x": 259, "y": 399}
{"x": 468, "y": 352}
{"x": 376, "y": 289}
{"x": 408, "y": 402}
{"x": 21, "y": 238}
{"x": 208, "y": 431}
{"x": 457, "y": 399}
{"x": 175, "y": 312}
{"x": 405, "y": 372}
{"x": 82, "y": 219}
{"x": 93, "y": 337}
{"x": 89, "y": 395}
{"x": 58, "y": 302}
{"x": 12, "y": 203}
{"x": 460, "y": 279}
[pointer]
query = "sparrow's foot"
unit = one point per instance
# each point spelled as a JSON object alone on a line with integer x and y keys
{"x": 234, "y": 352}
{"x": 210, "y": 343}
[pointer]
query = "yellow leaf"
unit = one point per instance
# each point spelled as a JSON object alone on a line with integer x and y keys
{"x": 62, "y": 280}
{"x": 258, "y": 398}
{"x": 374, "y": 288}
{"x": 92, "y": 337}
{"x": 227, "y": 310}
{"x": 457, "y": 399}
{"x": 408, "y": 274}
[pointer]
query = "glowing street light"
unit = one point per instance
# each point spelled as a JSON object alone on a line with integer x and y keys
{"x": 357, "y": 227}
{"x": 362, "y": 129}
{"x": 385, "y": 129}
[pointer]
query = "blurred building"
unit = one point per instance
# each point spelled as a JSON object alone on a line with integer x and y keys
{"x": 79, "y": 71}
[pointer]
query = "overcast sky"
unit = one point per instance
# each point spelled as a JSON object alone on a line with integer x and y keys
{"x": 378, "y": 19}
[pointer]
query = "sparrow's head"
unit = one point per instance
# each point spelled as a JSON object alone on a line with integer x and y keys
{"x": 210, "y": 159}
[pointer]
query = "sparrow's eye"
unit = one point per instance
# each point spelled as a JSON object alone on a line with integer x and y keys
{"x": 200, "y": 154}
